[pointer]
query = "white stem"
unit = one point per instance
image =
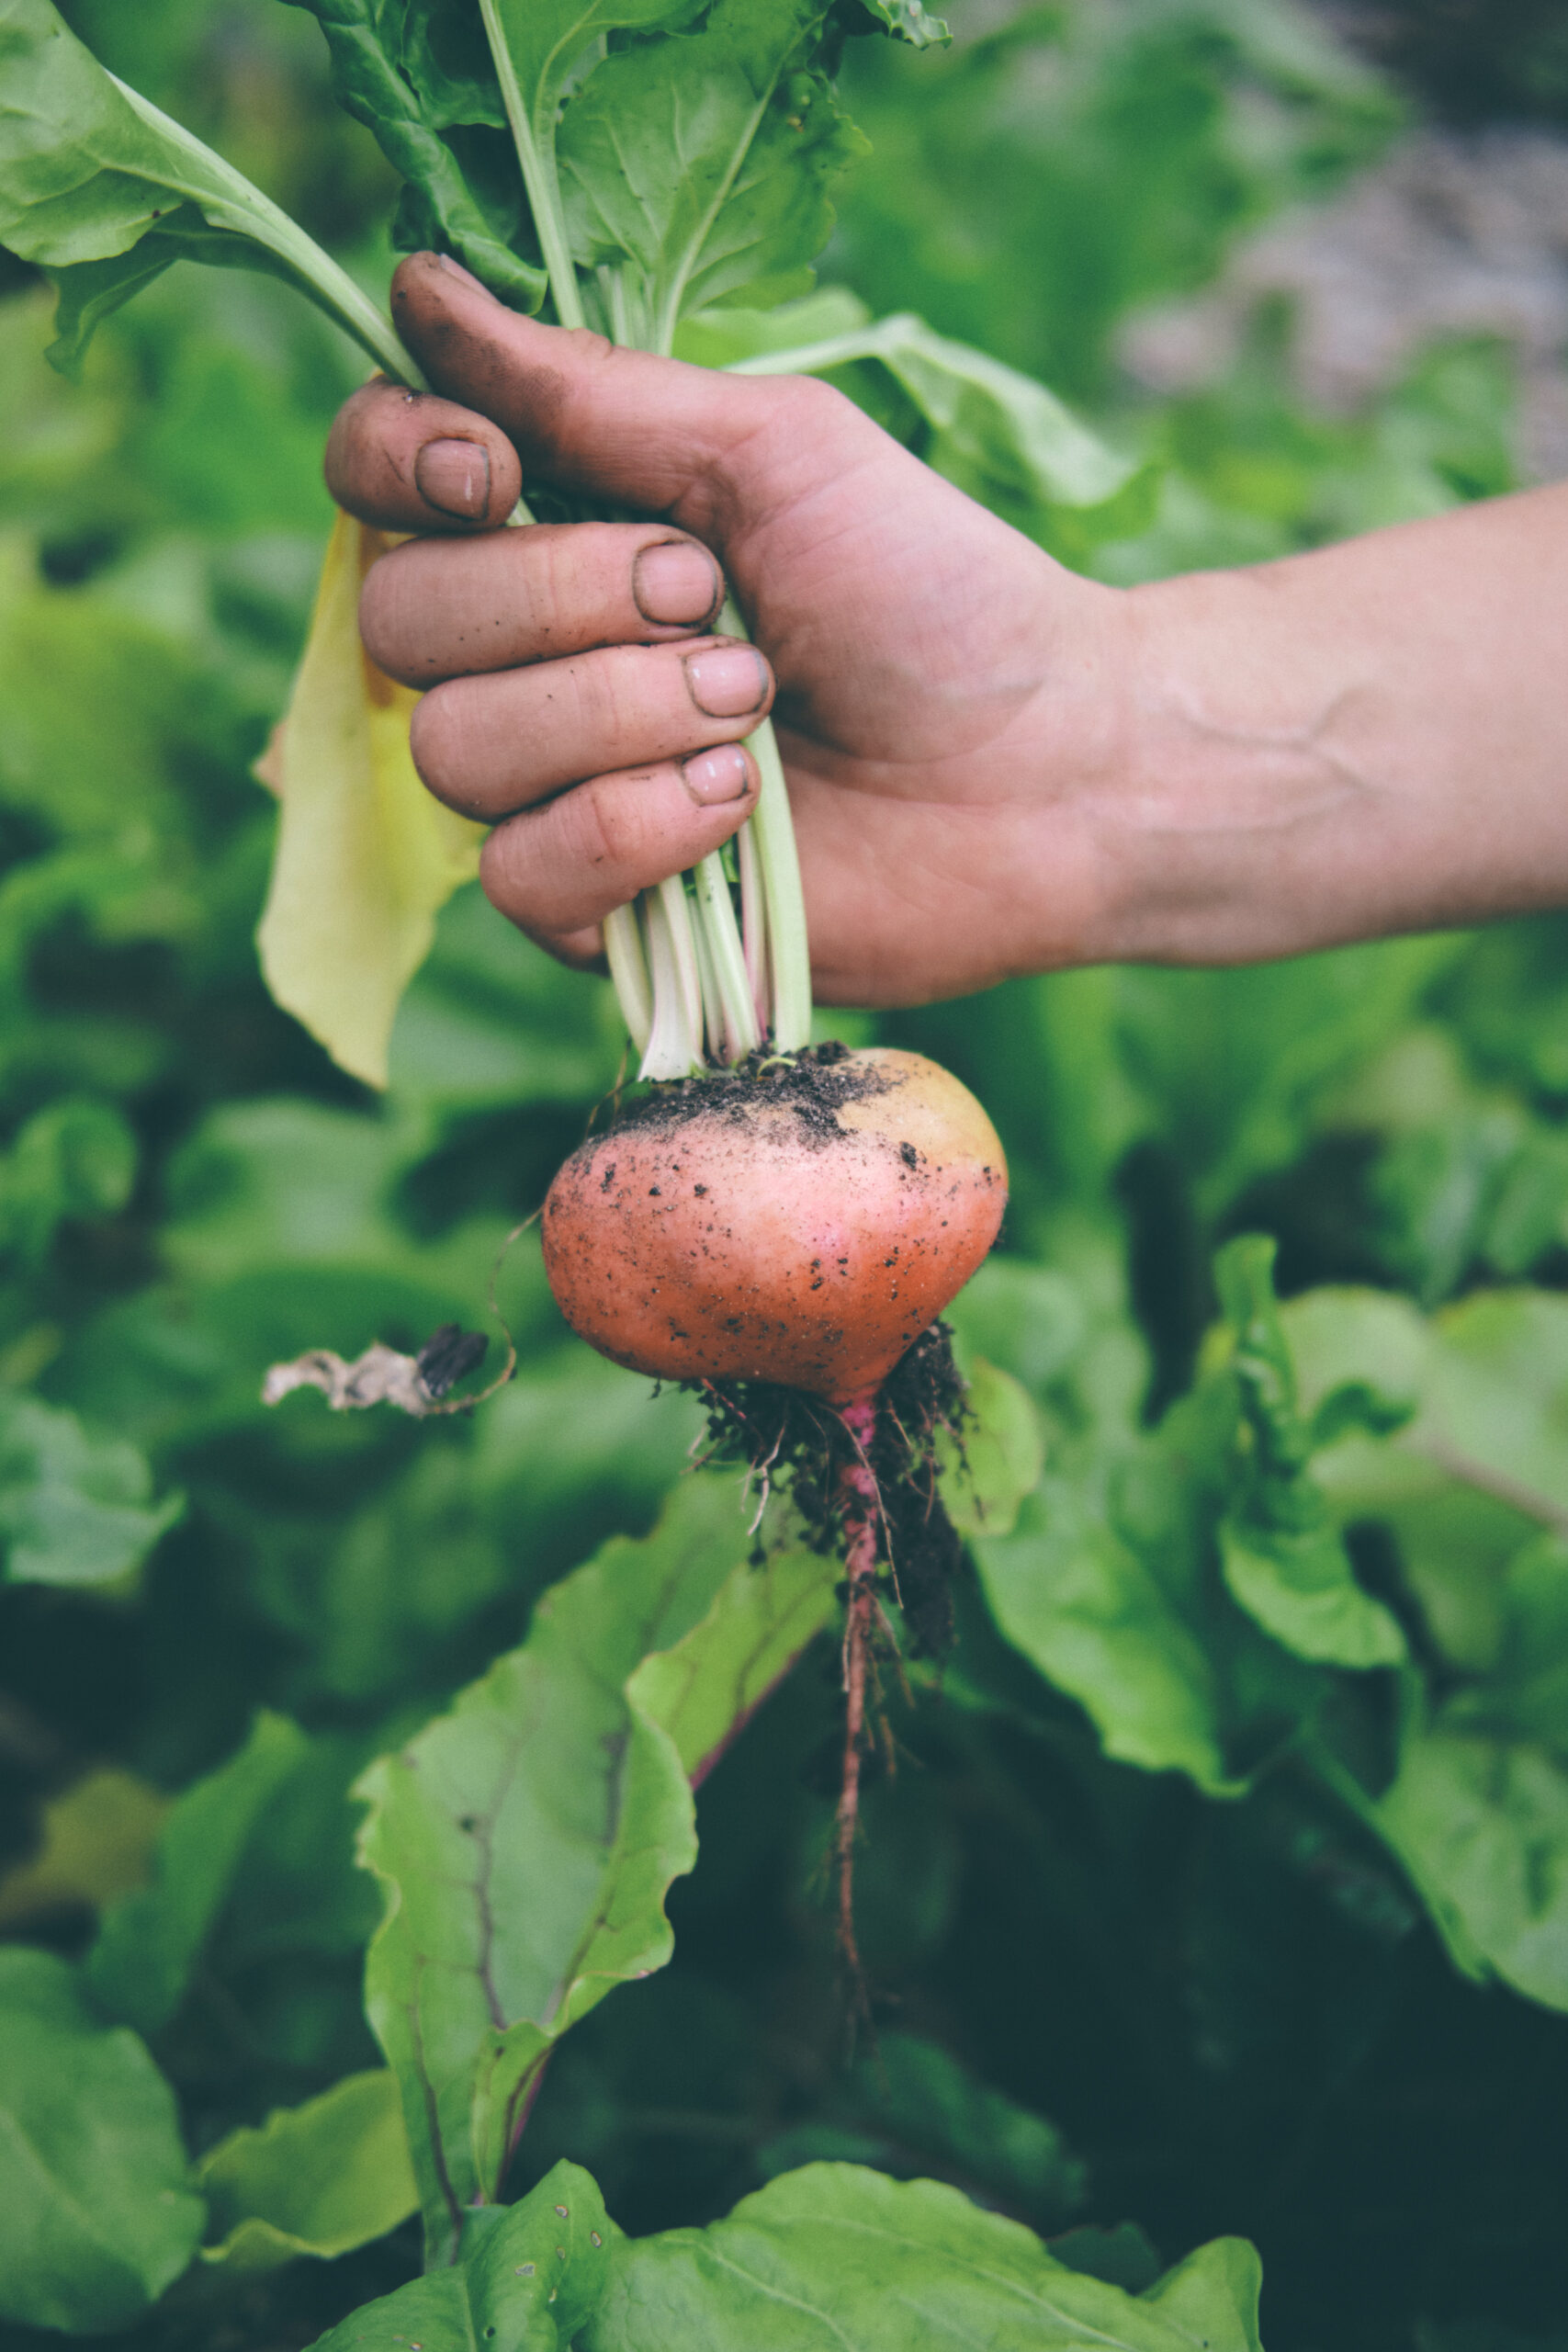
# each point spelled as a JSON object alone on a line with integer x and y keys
{"x": 754, "y": 925}
{"x": 628, "y": 970}
{"x": 669, "y": 1050}
{"x": 713, "y": 1003}
{"x": 739, "y": 1033}
{"x": 678, "y": 914}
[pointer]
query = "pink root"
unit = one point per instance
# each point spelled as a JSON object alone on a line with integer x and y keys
{"x": 861, "y": 1507}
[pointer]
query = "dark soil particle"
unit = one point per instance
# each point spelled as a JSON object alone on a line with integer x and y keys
{"x": 791, "y": 1439}
{"x": 815, "y": 1084}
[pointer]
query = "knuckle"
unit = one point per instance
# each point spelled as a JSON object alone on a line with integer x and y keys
{"x": 600, "y": 349}
{"x": 614, "y": 708}
{"x": 603, "y": 828}
{"x": 440, "y": 737}
{"x": 812, "y": 402}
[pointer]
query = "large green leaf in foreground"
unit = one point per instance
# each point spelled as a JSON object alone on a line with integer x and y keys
{"x": 831, "y": 2258}
{"x": 96, "y": 2215}
{"x": 844, "y": 2259}
{"x": 527, "y": 1839}
{"x": 533, "y": 2276}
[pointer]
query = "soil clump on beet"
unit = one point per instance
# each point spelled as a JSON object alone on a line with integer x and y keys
{"x": 815, "y": 1085}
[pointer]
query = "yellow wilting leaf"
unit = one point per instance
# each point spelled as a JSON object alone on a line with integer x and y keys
{"x": 365, "y": 856}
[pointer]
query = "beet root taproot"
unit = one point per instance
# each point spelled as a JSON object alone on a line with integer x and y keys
{"x": 802, "y": 1226}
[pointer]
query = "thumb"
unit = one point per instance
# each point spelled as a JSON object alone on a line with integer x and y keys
{"x": 590, "y": 415}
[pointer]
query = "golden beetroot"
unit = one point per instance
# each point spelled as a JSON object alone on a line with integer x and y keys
{"x": 802, "y": 1227}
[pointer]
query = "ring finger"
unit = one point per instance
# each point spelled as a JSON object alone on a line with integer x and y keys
{"x": 490, "y": 745}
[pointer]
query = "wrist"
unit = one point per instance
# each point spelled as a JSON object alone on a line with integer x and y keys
{"x": 1244, "y": 771}
{"x": 1363, "y": 740}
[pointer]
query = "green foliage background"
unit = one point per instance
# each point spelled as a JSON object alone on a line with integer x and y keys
{"x": 1224, "y": 1884}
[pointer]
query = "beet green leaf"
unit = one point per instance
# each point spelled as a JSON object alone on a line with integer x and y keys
{"x": 534, "y": 2274}
{"x": 73, "y": 1508}
{"x": 149, "y": 1940}
{"x": 103, "y": 192}
{"x": 527, "y": 1841}
{"x": 696, "y": 169}
{"x": 317, "y": 2179}
{"x": 99, "y": 2216}
{"x": 408, "y": 73}
{"x": 837, "y": 2256}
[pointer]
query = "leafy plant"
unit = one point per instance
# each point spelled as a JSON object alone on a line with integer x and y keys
{"x": 1271, "y": 1935}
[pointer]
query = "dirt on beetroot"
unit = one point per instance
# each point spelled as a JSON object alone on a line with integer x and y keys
{"x": 816, "y": 1084}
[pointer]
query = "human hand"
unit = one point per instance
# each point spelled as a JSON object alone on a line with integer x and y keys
{"x": 995, "y": 767}
{"x": 940, "y": 684}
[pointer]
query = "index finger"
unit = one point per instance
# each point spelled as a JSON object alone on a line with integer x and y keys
{"x": 413, "y": 461}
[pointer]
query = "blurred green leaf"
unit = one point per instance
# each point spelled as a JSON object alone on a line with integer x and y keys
{"x": 96, "y": 1841}
{"x": 1284, "y": 1560}
{"x": 1061, "y": 164}
{"x": 296, "y": 1891}
{"x": 317, "y": 2179}
{"x": 96, "y": 2216}
{"x": 1482, "y": 1825}
{"x": 73, "y": 1508}
{"x": 1233, "y": 1065}
{"x": 77, "y": 1158}
{"x": 490, "y": 1021}
{"x": 915, "y": 2109}
{"x": 987, "y": 1472}
{"x": 1076, "y": 1601}
{"x": 150, "y": 1941}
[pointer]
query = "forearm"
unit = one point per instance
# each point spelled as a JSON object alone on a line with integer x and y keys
{"x": 1367, "y": 739}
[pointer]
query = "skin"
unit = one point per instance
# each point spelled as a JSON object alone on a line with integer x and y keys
{"x": 996, "y": 767}
{"x": 721, "y": 1248}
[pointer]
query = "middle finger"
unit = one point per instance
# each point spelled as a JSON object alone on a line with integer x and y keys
{"x": 489, "y": 746}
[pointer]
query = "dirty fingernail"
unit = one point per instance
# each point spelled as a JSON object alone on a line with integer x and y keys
{"x": 727, "y": 682}
{"x": 455, "y": 269}
{"x": 722, "y": 774}
{"x": 454, "y": 477}
{"x": 675, "y": 584}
